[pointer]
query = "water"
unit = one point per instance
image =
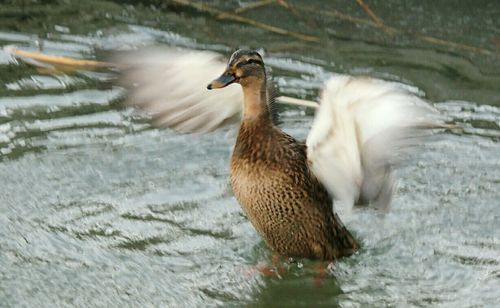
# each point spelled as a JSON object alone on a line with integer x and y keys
{"x": 100, "y": 209}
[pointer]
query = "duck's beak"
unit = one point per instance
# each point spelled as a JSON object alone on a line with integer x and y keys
{"x": 224, "y": 80}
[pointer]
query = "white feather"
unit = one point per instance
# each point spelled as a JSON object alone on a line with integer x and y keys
{"x": 171, "y": 84}
{"x": 360, "y": 128}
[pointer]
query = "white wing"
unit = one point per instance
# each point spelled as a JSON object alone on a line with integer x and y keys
{"x": 361, "y": 126}
{"x": 171, "y": 84}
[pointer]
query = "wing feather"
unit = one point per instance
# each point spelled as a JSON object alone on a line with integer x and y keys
{"x": 170, "y": 84}
{"x": 361, "y": 127}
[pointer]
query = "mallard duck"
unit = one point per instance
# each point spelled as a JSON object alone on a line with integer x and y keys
{"x": 272, "y": 179}
{"x": 286, "y": 187}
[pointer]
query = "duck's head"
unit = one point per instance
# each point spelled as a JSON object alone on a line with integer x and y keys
{"x": 244, "y": 67}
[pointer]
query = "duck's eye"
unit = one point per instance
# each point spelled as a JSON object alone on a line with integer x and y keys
{"x": 250, "y": 61}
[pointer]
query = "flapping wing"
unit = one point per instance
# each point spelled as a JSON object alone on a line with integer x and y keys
{"x": 170, "y": 84}
{"x": 360, "y": 129}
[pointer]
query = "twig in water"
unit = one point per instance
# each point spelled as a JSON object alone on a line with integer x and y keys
{"x": 59, "y": 60}
{"x": 288, "y": 7}
{"x": 233, "y": 17}
{"x": 425, "y": 38}
{"x": 252, "y": 6}
{"x": 374, "y": 17}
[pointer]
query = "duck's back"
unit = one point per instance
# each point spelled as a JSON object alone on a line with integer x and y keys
{"x": 285, "y": 202}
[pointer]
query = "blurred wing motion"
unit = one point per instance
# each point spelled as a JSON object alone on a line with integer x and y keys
{"x": 171, "y": 84}
{"x": 360, "y": 128}
{"x": 167, "y": 82}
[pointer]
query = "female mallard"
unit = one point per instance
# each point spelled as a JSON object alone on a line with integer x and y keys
{"x": 271, "y": 177}
{"x": 285, "y": 187}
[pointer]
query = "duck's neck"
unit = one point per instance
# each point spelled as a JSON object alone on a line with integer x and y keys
{"x": 256, "y": 130}
{"x": 255, "y": 100}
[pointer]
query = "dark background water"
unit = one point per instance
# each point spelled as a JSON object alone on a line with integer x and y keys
{"x": 97, "y": 208}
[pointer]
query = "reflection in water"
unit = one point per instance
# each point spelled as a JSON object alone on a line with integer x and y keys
{"x": 98, "y": 208}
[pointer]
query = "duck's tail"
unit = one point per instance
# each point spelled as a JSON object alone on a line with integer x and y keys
{"x": 362, "y": 127}
{"x": 345, "y": 242}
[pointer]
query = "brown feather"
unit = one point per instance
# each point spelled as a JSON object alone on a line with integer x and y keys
{"x": 284, "y": 201}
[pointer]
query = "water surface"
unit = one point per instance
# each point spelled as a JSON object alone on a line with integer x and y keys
{"x": 97, "y": 208}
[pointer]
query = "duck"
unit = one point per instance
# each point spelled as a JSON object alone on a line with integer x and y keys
{"x": 290, "y": 190}
{"x": 272, "y": 179}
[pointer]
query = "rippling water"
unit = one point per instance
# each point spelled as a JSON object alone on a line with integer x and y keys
{"x": 97, "y": 208}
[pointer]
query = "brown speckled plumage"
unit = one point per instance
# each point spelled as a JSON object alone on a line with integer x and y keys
{"x": 272, "y": 181}
{"x": 285, "y": 202}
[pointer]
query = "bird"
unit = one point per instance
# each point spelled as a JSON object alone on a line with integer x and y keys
{"x": 289, "y": 190}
